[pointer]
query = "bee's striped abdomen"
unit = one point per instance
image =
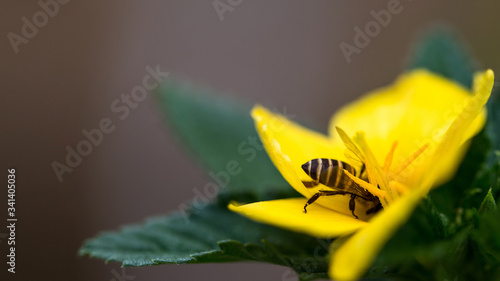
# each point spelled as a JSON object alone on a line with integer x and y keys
{"x": 327, "y": 171}
{"x": 334, "y": 174}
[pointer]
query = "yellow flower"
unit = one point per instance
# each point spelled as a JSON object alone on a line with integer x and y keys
{"x": 410, "y": 135}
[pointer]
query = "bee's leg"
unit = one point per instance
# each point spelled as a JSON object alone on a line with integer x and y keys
{"x": 377, "y": 207}
{"x": 322, "y": 193}
{"x": 352, "y": 205}
{"x": 371, "y": 210}
{"x": 310, "y": 184}
{"x": 374, "y": 209}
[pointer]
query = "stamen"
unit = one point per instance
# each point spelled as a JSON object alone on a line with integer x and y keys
{"x": 399, "y": 187}
{"x": 389, "y": 157}
{"x": 408, "y": 161}
{"x": 373, "y": 167}
{"x": 370, "y": 187}
{"x": 376, "y": 176}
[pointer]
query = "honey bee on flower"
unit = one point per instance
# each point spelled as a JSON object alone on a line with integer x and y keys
{"x": 401, "y": 144}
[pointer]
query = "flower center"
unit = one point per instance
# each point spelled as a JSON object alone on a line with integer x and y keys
{"x": 382, "y": 181}
{"x": 395, "y": 176}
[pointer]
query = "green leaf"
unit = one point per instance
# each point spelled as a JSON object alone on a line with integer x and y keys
{"x": 454, "y": 257}
{"x": 488, "y": 205}
{"x": 483, "y": 262}
{"x": 487, "y": 235}
{"x": 425, "y": 226}
{"x": 442, "y": 52}
{"x": 221, "y": 134}
{"x": 212, "y": 234}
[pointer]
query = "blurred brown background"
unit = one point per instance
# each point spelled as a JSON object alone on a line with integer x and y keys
{"x": 64, "y": 79}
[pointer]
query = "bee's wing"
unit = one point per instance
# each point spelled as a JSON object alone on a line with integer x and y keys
{"x": 354, "y": 161}
{"x": 347, "y": 184}
{"x": 352, "y": 152}
{"x": 353, "y": 158}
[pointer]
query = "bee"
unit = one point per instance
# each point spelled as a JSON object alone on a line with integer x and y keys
{"x": 330, "y": 172}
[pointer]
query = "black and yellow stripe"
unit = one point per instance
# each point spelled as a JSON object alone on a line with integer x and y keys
{"x": 328, "y": 172}
{"x": 332, "y": 173}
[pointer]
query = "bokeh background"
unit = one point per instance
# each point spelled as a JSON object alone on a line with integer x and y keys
{"x": 280, "y": 54}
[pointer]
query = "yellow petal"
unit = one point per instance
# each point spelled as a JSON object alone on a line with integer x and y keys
{"x": 290, "y": 145}
{"x": 451, "y": 149}
{"x": 376, "y": 169}
{"x": 351, "y": 260}
{"x": 288, "y": 213}
{"x": 417, "y": 109}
